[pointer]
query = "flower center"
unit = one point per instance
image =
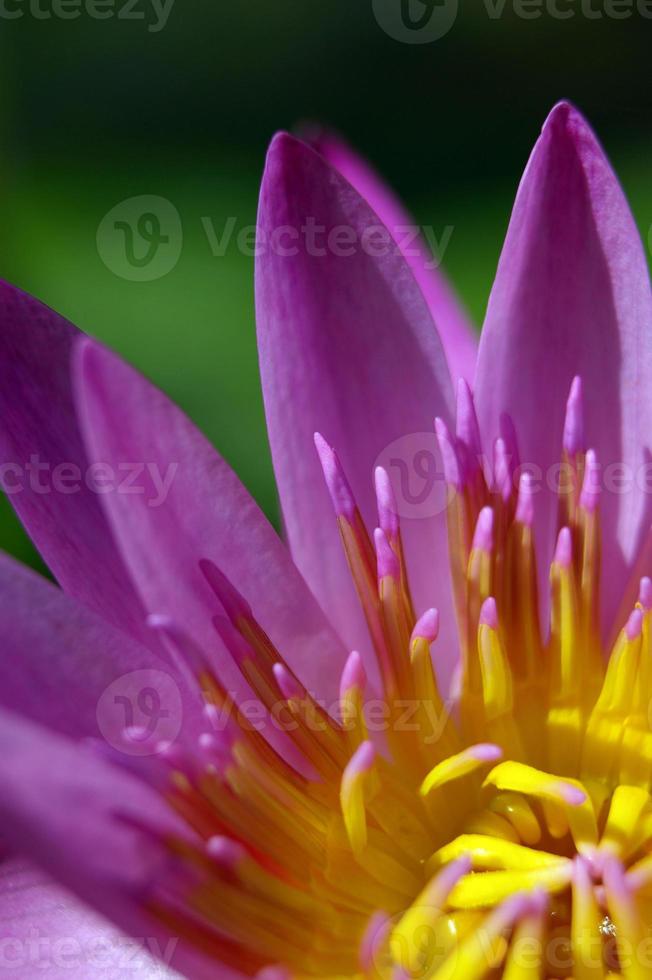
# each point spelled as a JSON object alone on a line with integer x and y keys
{"x": 506, "y": 831}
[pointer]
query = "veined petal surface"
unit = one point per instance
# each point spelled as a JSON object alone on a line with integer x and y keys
{"x": 457, "y": 333}
{"x": 203, "y": 512}
{"x": 347, "y": 348}
{"x": 572, "y": 297}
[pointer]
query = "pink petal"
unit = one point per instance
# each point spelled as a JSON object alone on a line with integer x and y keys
{"x": 60, "y": 806}
{"x": 347, "y": 348}
{"x": 205, "y": 513}
{"x": 78, "y": 818}
{"x": 65, "y": 667}
{"x": 457, "y": 334}
{"x": 572, "y": 297}
{"x": 47, "y": 932}
{"x": 39, "y": 428}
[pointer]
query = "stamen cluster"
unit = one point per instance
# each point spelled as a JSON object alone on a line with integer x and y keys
{"x": 518, "y": 842}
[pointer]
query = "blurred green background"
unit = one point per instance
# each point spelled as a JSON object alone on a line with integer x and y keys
{"x": 96, "y": 111}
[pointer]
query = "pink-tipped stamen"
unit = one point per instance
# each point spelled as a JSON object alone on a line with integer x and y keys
{"x": 574, "y": 423}
{"x": 453, "y": 470}
{"x": 427, "y": 626}
{"x": 564, "y": 548}
{"x": 336, "y": 481}
{"x": 388, "y": 563}
{"x": 386, "y": 501}
{"x": 354, "y": 676}
{"x": 467, "y": 428}
{"x": 288, "y": 685}
{"x": 483, "y": 538}
{"x": 525, "y": 501}
{"x": 489, "y": 613}
{"x": 590, "y": 495}
{"x": 486, "y": 751}
{"x": 645, "y": 594}
{"x": 634, "y": 626}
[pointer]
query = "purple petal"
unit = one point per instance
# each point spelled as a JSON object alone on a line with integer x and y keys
{"x": 78, "y": 818}
{"x": 347, "y": 348}
{"x": 60, "y": 806}
{"x": 455, "y": 330}
{"x": 197, "y": 510}
{"x": 65, "y": 667}
{"x": 42, "y": 458}
{"x": 572, "y": 297}
{"x": 46, "y": 931}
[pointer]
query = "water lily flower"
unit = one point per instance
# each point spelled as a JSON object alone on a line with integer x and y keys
{"x": 192, "y": 752}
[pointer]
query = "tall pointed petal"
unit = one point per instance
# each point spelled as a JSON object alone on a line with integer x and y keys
{"x": 572, "y": 296}
{"x": 457, "y": 334}
{"x": 43, "y": 464}
{"x": 193, "y": 507}
{"x": 347, "y": 348}
{"x": 65, "y": 667}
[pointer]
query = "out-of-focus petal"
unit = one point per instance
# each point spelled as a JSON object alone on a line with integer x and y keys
{"x": 79, "y": 819}
{"x": 43, "y": 463}
{"x": 65, "y": 667}
{"x": 457, "y": 334}
{"x": 347, "y": 348}
{"x": 47, "y": 932}
{"x": 572, "y": 296}
{"x": 197, "y": 510}
{"x": 64, "y": 808}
